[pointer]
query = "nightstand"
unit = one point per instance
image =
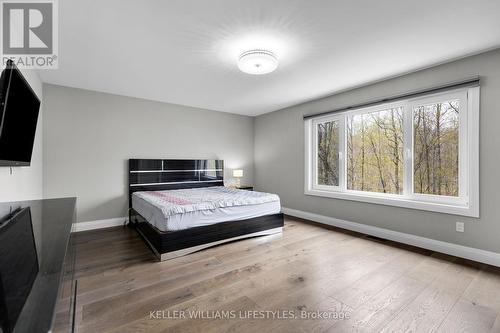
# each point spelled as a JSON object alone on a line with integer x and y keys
{"x": 246, "y": 188}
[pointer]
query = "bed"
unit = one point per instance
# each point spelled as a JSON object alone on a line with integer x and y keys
{"x": 181, "y": 206}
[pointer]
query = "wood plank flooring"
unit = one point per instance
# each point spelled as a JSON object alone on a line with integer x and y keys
{"x": 362, "y": 283}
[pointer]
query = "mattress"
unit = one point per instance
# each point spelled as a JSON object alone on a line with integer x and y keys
{"x": 187, "y": 208}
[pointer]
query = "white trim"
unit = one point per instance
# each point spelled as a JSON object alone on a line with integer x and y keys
{"x": 395, "y": 200}
{"x": 407, "y": 153}
{"x": 99, "y": 224}
{"x": 473, "y": 98}
{"x": 483, "y": 256}
{"x": 308, "y": 154}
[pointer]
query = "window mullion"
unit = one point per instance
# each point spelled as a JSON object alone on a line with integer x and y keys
{"x": 342, "y": 153}
{"x": 315, "y": 156}
{"x": 408, "y": 150}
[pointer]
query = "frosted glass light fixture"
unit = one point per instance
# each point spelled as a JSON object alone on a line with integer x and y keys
{"x": 257, "y": 62}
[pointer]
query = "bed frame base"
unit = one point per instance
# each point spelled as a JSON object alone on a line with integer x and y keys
{"x": 277, "y": 232}
{"x": 172, "y": 244}
{"x": 168, "y": 174}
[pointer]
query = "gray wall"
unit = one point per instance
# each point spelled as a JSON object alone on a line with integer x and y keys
{"x": 25, "y": 183}
{"x": 279, "y": 158}
{"x": 89, "y": 136}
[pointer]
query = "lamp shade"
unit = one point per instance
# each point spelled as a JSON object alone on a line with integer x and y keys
{"x": 237, "y": 173}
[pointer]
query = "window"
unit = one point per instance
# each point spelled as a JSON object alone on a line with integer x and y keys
{"x": 418, "y": 153}
{"x": 328, "y": 146}
{"x": 435, "y": 148}
{"x": 375, "y": 151}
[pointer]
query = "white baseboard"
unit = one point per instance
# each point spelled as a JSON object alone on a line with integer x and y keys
{"x": 487, "y": 257}
{"x": 99, "y": 224}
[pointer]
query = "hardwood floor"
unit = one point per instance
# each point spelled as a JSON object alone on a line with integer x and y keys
{"x": 362, "y": 283}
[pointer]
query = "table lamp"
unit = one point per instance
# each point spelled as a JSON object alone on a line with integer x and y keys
{"x": 238, "y": 174}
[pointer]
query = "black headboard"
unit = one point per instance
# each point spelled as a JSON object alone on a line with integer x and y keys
{"x": 157, "y": 175}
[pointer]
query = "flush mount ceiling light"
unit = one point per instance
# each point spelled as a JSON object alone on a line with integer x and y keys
{"x": 257, "y": 62}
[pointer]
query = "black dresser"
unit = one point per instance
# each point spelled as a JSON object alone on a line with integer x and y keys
{"x": 49, "y": 294}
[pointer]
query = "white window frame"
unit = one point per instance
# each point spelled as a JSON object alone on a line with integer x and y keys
{"x": 341, "y": 125}
{"x": 467, "y": 202}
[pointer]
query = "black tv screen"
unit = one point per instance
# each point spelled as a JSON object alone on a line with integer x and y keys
{"x": 18, "y": 266}
{"x": 19, "y": 106}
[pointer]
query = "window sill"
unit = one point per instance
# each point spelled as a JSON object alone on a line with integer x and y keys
{"x": 463, "y": 210}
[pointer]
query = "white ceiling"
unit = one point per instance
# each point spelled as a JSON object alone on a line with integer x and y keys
{"x": 185, "y": 51}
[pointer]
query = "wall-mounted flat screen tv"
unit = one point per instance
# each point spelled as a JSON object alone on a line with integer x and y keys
{"x": 19, "y": 106}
